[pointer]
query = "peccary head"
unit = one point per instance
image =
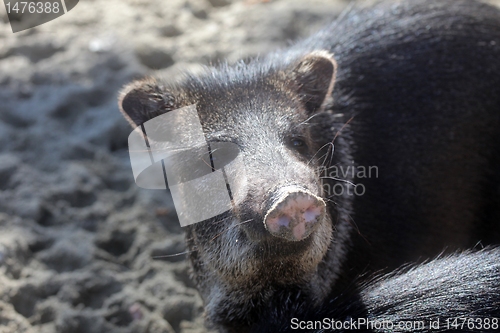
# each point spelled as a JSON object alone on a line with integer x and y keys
{"x": 280, "y": 229}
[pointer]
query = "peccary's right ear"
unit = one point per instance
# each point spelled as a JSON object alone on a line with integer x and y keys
{"x": 143, "y": 100}
{"x": 315, "y": 76}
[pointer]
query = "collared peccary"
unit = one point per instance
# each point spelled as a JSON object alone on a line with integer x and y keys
{"x": 409, "y": 91}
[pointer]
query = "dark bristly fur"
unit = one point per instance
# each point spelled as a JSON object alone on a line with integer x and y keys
{"x": 458, "y": 286}
{"x": 416, "y": 95}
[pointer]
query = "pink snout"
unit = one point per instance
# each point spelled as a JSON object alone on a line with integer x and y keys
{"x": 295, "y": 214}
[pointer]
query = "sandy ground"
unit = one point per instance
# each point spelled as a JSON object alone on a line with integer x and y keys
{"x": 79, "y": 241}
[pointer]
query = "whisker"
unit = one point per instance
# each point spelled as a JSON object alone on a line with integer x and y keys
{"x": 330, "y": 200}
{"x": 357, "y": 229}
{"x": 305, "y": 121}
{"x": 231, "y": 227}
{"x": 341, "y": 129}
{"x": 331, "y": 147}
{"x": 340, "y": 180}
{"x": 173, "y": 255}
{"x": 311, "y": 159}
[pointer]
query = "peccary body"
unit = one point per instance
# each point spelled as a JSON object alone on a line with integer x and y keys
{"x": 400, "y": 100}
{"x": 459, "y": 293}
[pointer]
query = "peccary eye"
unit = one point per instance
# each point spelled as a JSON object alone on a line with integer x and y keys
{"x": 298, "y": 144}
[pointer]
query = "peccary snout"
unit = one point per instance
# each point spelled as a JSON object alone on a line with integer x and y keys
{"x": 294, "y": 214}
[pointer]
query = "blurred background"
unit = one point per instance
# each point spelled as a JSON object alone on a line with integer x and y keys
{"x": 81, "y": 245}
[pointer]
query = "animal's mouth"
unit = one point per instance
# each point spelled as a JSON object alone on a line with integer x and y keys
{"x": 273, "y": 261}
{"x": 278, "y": 250}
{"x": 267, "y": 249}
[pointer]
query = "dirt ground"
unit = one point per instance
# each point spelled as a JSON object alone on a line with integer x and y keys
{"x": 82, "y": 248}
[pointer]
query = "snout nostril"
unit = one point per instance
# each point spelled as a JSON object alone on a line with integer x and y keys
{"x": 283, "y": 221}
{"x": 312, "y": 213}
{"x": 295, "y": 214}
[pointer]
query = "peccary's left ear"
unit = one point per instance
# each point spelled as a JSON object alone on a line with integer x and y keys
{"x": 143, "y": 100}
{"x": 315, "y": 76}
